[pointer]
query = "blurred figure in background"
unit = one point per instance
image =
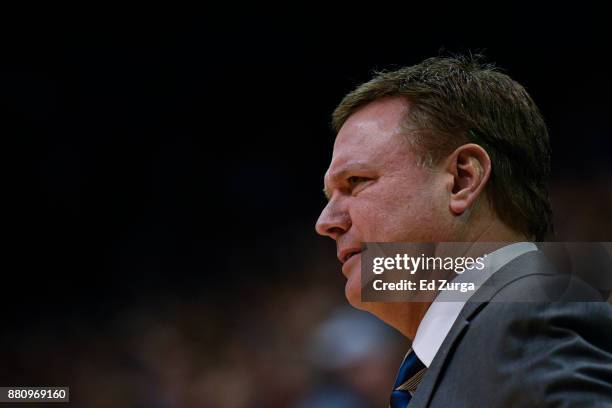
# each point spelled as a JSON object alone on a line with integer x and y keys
{"x": 355, "y": 355}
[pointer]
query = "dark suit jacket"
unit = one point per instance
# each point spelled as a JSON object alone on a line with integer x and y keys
{"x": 502, "y": 352}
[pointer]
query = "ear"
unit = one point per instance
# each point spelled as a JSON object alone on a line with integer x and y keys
{"x": 470, "y": 167}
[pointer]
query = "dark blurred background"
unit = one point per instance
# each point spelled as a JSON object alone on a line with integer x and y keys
{"x": 164, "y": 173}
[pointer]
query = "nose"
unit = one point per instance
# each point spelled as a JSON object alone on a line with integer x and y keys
{"x": 332, "y": 222}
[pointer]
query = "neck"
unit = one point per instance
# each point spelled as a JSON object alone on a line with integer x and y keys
{"x": 405, "y": 318}
{"x": 494, "y": 235}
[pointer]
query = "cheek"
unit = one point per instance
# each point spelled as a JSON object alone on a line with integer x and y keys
{"x": 401, "y": 215}
{"x": 370, "y": 220}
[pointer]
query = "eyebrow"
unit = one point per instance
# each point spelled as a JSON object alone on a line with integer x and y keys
{"x": 340, "y": 174}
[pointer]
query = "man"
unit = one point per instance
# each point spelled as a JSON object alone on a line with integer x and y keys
{"x": 451, "y": 150}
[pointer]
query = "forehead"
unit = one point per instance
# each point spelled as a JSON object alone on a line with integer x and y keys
{"x": 371, "y": 136}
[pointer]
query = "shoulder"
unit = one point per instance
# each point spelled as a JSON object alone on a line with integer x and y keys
{"x": 559, "y": 352}
{"x": 532, "y": 278}
{"x": 537, "y": 338}
{"x": 520, "y": 348}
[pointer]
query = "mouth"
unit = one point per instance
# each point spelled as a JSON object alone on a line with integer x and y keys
{"x": 347, "y": 254}
{"x": 347, "y": 266}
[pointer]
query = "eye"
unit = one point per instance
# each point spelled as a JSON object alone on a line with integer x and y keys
{"x": 357, "y": 183}
{"x": 354, "y": 180}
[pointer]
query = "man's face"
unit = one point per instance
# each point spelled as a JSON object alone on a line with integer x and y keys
{"x": 377, "y": 192}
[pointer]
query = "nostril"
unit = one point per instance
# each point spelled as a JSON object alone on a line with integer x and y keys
{"x": 323, "y": 228}
{"x": 335, "y": 231}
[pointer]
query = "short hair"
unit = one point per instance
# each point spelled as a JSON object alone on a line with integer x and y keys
{"x": 457, "y": 100}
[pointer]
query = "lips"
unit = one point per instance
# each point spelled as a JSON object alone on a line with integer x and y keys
{"x": 347, "y": 253}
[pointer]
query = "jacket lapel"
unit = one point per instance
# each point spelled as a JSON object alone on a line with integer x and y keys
{"x": 526, "y": 264}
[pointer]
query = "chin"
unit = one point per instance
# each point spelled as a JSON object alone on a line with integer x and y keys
{"x": 352, "y": 291}
{"x": 353, "y": 298}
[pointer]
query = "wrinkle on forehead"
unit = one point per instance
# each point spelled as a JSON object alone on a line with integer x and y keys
{"x": 370, "y": 150}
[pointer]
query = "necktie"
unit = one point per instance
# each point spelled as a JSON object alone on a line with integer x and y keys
{"x": 408, "y": 378}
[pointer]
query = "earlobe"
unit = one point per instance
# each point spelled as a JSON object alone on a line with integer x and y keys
{"x": 459, "y": 203}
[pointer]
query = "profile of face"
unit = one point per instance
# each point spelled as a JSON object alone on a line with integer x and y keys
{"x": 377, "y": 191}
